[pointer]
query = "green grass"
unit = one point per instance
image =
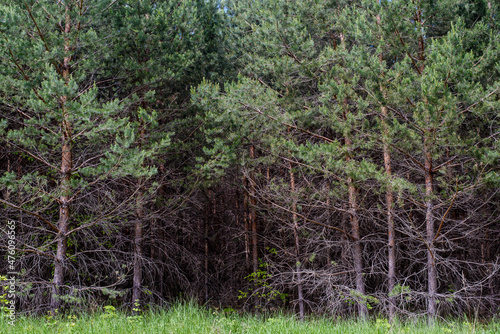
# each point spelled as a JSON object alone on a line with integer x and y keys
{"x": 186, "y": 318}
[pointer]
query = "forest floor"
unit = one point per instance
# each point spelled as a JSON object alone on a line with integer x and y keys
{"x": 192, "y": 319}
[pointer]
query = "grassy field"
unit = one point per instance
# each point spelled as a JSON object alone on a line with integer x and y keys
{"x": 191, "y": 319}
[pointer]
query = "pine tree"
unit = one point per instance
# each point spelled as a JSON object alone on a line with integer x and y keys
{"x": 378, "y": 96}
{"x": 73, "y": 138}
{"x": 416, "y": 64}
{"x": 160, "y": 49}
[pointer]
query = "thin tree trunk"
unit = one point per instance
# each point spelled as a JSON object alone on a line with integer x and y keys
{"x": 205, "y": 237}
{"x": 212, "y": 211}
{"x": 6, "y": 195}
{"x": 357, "y": 251}
{"x": 138, "y": 231}
{"x": 246, "y": 219}
{"x": 252, "y": 221}
{"x": 429, "y": 205}
{"x": 253, "y": 217}
{"x": 391, "y": 242}
{"x": 66, "y": 169}
{"x": 297, "y": 244}
{"x": 64, "y": 217}
{"x": 353, "y": 216}
{"x": 485, "y": 260}
{"x": 429, "y": 226}
{"x": 328, "y": 221}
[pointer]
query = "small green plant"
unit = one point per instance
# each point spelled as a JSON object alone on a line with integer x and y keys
{"x": 3, "y": 298}
{"x": 382, "y": 325}
{"x": 135, "y": 319}
{"x": 229, "y": 310}
{"x": 71, "y": 321}
{"x": 109, "y": 312}
{"x": 260, "y": 282}
{"x": 51, "y": 318}
{"x": 137, "y": 306}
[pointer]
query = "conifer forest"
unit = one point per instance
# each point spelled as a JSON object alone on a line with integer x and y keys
{"x": 333, "y": 157}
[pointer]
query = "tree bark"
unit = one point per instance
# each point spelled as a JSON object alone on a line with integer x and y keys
{"x": 66, "y": 169}
{"x": 297, "y": 244}
{"x": 138, "y": 231}
{"x": 357, "y": 251}
{"x": 253, "y": 217}
{"x": 429, "y": 192}
{"x": 246, "y": 219}
{"x": 391, "y": 242}
{"x": 205, "y": 248}
{"x": 429, "y": 225}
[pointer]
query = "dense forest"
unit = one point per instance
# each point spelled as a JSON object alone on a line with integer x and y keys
{"x": 328, "y": 157}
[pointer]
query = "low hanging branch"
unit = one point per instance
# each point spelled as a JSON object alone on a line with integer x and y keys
{"x": 52, "y": 227}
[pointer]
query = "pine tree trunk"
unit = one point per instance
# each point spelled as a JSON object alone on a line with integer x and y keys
{"x": 66, "y": 169}
{"x": 246, "y": 219}
{"x": 138, "y": 232}
{"x": 253, "y": 217}
{"x": 429, "y": 205}
{"x": 64, "y": 217}
{"x": 353, "y": 216}
{"x": 329, "y": 222}
{"x": 391, "y": 242}
{"x": 205, "y": 247}
{"x": 297, "y": 244}
{"x": 138, "y": 226}
{"x": 211, "y": 214}
{"x": 357, "y": 251}
{"x": 429, "y": 225}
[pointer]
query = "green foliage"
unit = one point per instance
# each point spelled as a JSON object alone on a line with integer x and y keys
{"x": 192, "y": 319}
{"x": 4, "y": 302}
{"x": 336, "y": 85}
{"x": 113, "y": 294}
{"x": 400, "y": 290}
{"x": 261, "y": 288}
{"x": 109, "y": 312}
{"x": 95, "y": 105}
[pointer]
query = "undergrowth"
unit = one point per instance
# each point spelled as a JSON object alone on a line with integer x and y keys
{"x": 188, "y": 318}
